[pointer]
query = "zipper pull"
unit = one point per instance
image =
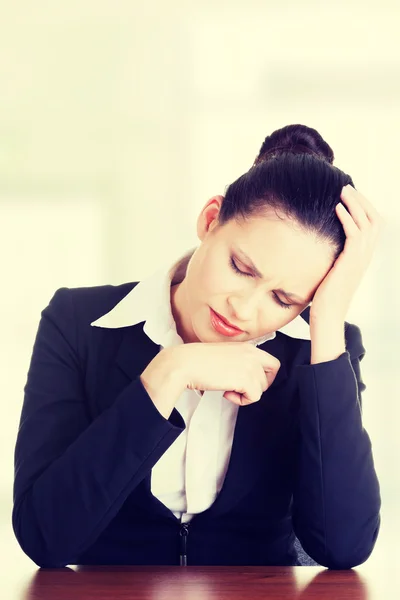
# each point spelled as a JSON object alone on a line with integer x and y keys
{"x": 184, "y": 532}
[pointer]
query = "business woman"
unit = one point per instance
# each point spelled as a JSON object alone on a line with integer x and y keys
{"x": 211, "y": 413}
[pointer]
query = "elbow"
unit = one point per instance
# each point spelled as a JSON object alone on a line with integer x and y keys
{"x": 345, "y": 559}
{"x": 31, "y": 540}
{"x": 46, "y": 561}
{"x": 43, "y": 558}
{"x": 344, "y": 552}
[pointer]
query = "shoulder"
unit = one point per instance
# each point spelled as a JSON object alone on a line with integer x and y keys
{"x": 86, "y": 304}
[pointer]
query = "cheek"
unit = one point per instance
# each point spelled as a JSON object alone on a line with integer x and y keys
{"x": 212, "y": 283}
{"x": 204, "y": 280}
{"x": 212, "y": 277}
{"x": 222, "y": 281}
{"x": 273, "y": 317}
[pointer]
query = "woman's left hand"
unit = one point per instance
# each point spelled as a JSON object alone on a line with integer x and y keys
{"x": 363, "y": 226}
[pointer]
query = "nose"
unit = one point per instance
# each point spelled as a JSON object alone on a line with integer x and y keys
{"x": 244, "y": 310}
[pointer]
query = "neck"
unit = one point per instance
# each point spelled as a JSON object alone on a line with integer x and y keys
{"x": 178, "y": 309}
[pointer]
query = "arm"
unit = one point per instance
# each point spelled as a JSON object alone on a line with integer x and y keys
{"x": 336, "y": 501}
{"x": 72, "y": 474}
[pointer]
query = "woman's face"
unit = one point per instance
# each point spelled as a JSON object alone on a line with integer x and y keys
{"x": 286, "y": 258}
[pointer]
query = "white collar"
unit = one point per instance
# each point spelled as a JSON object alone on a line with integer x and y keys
{"x": 149, "y": 301}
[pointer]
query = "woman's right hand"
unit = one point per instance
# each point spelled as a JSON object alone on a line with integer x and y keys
{"x": 241, "y": 369}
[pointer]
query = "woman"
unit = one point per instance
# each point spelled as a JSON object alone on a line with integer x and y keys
{"x": 152, "y": 433}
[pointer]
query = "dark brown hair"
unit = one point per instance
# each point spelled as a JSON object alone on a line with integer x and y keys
{"x": 293, "y": 173}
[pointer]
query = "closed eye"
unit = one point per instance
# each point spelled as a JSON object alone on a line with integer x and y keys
{"x": 277, "y": 299}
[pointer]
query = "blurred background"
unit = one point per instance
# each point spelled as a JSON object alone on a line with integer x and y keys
{"x": 119, "y": 120}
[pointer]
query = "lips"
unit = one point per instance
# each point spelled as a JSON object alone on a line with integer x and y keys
{"x": 221, "y": 326}
{"x": 227, "y": 322}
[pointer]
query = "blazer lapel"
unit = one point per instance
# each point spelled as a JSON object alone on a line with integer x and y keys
{"x": 136, "y": 351}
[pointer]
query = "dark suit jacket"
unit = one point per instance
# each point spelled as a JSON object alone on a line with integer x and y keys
{"x": 89, "y": 435}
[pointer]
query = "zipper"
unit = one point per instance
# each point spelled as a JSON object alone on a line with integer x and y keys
{"x": 183, "y": 532}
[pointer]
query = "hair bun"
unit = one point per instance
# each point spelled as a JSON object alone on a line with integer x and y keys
{"x": 298, "y": 139}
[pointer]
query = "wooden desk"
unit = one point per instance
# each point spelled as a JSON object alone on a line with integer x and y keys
{"x": 200, "y": 583}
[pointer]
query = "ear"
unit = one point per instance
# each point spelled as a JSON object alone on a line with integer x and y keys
{"x": 208, "y": 217}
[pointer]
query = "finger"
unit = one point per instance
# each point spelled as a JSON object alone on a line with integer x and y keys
{"x": 268, "y": 361}
{"x": 356, "y": 210}
{"x": 350, "y": 228}
{"x": 252, "y": 391}
{"x": 370, "y": 210}
{"x": 232, "y": 397}
{"x": 264, "y": 381}
{"x": 236, "y": 398}
{"x": 270, "y": 376}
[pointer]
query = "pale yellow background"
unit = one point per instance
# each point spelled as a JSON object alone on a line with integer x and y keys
{"x": 119, "y": 120}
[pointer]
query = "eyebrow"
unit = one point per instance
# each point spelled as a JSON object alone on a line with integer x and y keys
{"x": 289, "y": 295}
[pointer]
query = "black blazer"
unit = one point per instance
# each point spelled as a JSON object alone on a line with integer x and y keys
{"x": 89, "y": 435}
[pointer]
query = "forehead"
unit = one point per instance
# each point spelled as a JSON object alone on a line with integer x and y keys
{"x": 282, "y": 251}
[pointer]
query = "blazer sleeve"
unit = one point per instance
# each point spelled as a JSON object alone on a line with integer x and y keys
{"x": 72, "y": 474}
{"x": 336, "y": 499}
